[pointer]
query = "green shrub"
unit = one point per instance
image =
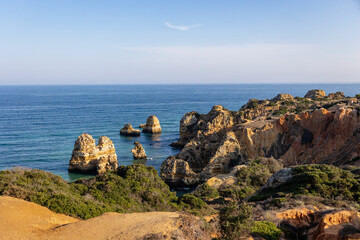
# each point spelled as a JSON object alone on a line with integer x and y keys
{"x": 318, "y": 180}
{"x": 267, "y": 230}
{"x": 134, "y": 188}
{"x": 235, "y": 220}
{"x": 357, "y": 96}
{"x": 205, "y": 192}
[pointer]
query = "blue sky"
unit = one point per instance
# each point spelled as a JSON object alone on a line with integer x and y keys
{"x": 180, "y": 41}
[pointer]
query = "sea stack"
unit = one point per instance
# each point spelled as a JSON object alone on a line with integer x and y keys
{"x": 128, "y": 130}
{"x": 152, "y": 125}
{"x": 89, "y": 158}
{"x": 138, "y": 151}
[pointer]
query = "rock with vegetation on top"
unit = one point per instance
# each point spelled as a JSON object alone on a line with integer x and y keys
{"x": 300, "y": 131}
{"x": 152, "y": 125}
{"x": 315, "y": 94}
{"x": 138, "y": 151}
{"x": 90, "y": 158}
{"x": 282, "y": 96}
{"x": 337, "y": 95}
{"x": 128, "y": 130}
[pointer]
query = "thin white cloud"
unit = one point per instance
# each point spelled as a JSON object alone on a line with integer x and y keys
{"x": 182, "y": 28}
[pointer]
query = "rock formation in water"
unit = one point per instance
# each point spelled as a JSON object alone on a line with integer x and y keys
{"x": 138, "y": 151}
{"x": 90, "y": 158}
{"x": 152, "y": 125}
{"x": 297, "y": 130}
{"x": 128, "y": 130}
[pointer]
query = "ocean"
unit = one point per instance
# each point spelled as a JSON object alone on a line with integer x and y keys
{"x": 39, "y": 124}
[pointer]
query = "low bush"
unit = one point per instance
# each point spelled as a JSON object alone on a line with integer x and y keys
{"x": 205, "y": 192}
{"x": 267, "y": 230}
{"x": 135, "y": 188}
{"x": 325, "y": 181}
{"x": 235, "y": 220}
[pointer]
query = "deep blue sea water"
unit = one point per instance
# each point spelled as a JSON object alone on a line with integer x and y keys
{"x": 39, "y": 124}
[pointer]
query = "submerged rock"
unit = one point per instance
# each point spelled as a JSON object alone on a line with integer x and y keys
{"x": 315, "y": 93}
{"x": 138, "y": 151}
{"x": 152, "y": 125}
{"x": 89, "y": 158}
{"x": 128, "y": 130}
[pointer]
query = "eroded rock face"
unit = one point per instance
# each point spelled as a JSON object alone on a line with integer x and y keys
{"x": 138, "y": 151}
{"x": 215, "y": 142}
{"x": 89, "y": 158}
{"x": 152, "y": 125}
{"x": 322, "y": 225}
{"x": 128, "y": 130}
{"x": 316, "y": 93}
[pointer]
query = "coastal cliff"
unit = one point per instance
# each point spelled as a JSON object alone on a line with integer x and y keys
{"x": 315, "y": 129}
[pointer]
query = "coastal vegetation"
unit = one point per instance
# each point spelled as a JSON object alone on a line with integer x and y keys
{"x": 134, "y": 188}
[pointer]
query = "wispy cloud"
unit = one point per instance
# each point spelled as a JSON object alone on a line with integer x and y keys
{"x": 182, "y": 28}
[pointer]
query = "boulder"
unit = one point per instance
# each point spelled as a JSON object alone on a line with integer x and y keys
{"x": 315, "y": 94}
{"x": 282, "y": 96}
{"x": 152, "y": 125}
{"x": 138, "y": 151}
{"x": 128, "y": 130}
{"x": 89, "y": 158}
{"x": 337, "y": 95}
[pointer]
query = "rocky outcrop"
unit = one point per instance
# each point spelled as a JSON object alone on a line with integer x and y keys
{"x": 152, "y": 125}
{"x": 337, "y": 95}
{"x": 128, "y": 130}
{"x": 90, "y": 158}
{"x": 315, "y": 94}
{"x": 138, "y": 151}
{"x": 322, "y": 225}
{"x": 300, "y": 131}
{"x": 282, "y": 96}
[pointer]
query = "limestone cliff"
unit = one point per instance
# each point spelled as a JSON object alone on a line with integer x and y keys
{"x": 322, "y": 225}
{"x": 315, "y": 129}
{"x": 90, "y": 158}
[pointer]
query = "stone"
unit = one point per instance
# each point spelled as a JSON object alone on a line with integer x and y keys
{"x": 138, "y": 151}
{"x": 128, "y": 130}
{"x": 315, "y": 94}
{"x": 142, "y": 125}
{"x": 152, "y": 125}
{"x": 282, "y": 96}
{"x": 337, "y": 95}
{"x": 89, "y": 158}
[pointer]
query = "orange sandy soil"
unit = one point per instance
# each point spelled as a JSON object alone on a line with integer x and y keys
{"x": 20, "y": 219}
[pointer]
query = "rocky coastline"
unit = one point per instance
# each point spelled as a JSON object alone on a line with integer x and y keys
{"x": 284, "y": 168}
{"x": 314, "y": 129}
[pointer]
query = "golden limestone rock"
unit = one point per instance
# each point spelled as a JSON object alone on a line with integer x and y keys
{"x": 90, "y": 158}
{"x": 138, "y": 151}
{"x": 128, "y": 130}
{"x": 152, "y": 125}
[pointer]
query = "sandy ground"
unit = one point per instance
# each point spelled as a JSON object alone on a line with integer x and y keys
{"x": 20, "y": 219}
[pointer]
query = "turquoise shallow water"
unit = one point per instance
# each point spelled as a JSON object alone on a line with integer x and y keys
{"x": 39, "y": 124}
